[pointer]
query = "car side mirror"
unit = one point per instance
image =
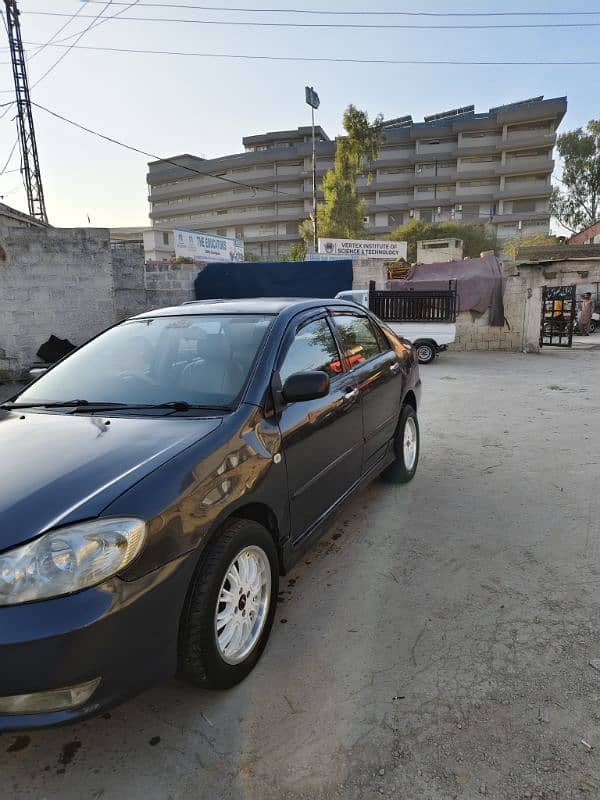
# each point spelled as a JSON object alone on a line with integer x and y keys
{"x": 307, "y": 385}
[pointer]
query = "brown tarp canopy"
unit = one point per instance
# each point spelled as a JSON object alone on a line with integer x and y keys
{"x": 479, "y": 283}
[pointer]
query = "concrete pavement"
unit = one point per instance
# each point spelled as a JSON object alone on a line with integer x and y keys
{"x": 435, "y": 644}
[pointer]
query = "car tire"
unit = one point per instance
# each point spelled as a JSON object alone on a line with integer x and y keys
{"x": 243, "y": 550}
{"x": 592, "y": 326}
{"x": 406, "y": 446}
{"x": 425, "y": 352}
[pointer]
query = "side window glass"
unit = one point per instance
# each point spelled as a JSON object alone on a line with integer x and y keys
{"x": 382, "y": 340}
{"x": 358, "y": 338}
{"x": 313, "y": 348}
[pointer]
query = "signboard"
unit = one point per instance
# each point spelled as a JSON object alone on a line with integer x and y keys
{"x": 312, "y": 98}
{"x": 204, "y": 247}
{"x": 364, "y": 248}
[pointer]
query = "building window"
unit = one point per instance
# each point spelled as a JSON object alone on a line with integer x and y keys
{"x": 165, "y": 238}
{"x": 525, "y": 179}
{"x": 481, "y": 159}
{"x": 239, "y": 233}
{"x": 426, "y": 214}
{"x": 479, "y": 134}
{"x": 396, "y": 171}
{"x": 221, "y": 211}
{"x": 527, "y": 206}
{"x": 425, "y": 189}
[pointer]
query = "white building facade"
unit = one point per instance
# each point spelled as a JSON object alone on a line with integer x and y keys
{"x": 491, "y": 168}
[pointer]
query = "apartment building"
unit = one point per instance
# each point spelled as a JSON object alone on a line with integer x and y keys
{"x": 493, "y": 168}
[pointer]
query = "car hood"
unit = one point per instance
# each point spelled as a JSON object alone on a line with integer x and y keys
{"x": 58, "y": 468}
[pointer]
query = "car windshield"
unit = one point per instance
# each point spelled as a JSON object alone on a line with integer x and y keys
{"x": 195, "y": 359}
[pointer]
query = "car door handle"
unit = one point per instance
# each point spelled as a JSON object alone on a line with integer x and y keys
{"x": 351, "y": 394}
{"x": 395, "y": 367}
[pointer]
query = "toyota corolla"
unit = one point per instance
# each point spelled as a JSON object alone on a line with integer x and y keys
{"x": 158, "y": 480}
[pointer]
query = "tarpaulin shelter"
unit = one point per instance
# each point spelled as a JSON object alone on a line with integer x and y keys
{"x": 479, "y": 283}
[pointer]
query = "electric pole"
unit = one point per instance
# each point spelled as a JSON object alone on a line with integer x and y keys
{"x": 29, "y": 153}
{"x": 312, "y": 99}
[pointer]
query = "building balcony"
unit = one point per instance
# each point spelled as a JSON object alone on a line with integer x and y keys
{"x": 477, "y": 194}
{"x": 441, "y": 150}
{"x": 498, "y": 219}
{"x": 478, "y": 144}
{"x": 529, "y": 137}
{"x": 523, "y": 190}
{"x": 516, "y": 166}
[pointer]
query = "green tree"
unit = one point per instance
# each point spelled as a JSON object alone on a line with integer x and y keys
{"x": 512, "y": 247}
{"x": 476, "y": 238}
{"x": 576, "y": 204}
{"x": 298, "y": 251}
{"x": 341, "y": 214}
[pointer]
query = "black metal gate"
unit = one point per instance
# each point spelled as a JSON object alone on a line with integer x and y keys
{"x": 558, "y": 316}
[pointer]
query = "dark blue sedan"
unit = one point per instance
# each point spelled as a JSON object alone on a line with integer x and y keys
{"x": 157, "y": 481}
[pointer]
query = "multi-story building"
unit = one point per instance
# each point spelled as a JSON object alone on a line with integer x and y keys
{"x": 492, "y": 167}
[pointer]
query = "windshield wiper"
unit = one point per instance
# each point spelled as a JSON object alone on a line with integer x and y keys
{"x": 173, "y": 405}
{"x": 100, "y": 405}
{"x": 41, "y": 404}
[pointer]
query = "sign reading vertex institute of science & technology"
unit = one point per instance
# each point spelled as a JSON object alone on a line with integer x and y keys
{"x": 203, "y": 247}
{"x": 364, "y": 248}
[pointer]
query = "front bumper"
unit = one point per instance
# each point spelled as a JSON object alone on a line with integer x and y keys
{"x": 123, "y": 632}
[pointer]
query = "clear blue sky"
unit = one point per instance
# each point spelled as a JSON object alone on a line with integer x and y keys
{"x": 169, "y": 105}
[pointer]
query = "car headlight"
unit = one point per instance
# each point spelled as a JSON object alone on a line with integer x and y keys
{"x": 69, "y": 559}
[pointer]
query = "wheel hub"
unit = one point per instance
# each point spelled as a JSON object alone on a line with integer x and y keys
{"x": 243, "y": 604}
{"x": 410, "y": 443}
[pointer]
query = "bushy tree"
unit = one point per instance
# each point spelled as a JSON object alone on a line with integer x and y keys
{"x": 342, "y": 212}
{"x": 512, "y": 247}
{"x": 476, "y": 238}
{"x": 576, "y": 203}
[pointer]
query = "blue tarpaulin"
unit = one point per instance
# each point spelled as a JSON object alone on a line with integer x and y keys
{"x": 274, "y": 279}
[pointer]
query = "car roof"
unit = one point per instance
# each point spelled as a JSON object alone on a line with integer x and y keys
{"x": 252, "y": 305}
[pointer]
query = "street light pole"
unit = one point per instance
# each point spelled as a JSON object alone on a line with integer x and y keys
{"x": 314, "y": 184}
{"x": 312, "y": 99}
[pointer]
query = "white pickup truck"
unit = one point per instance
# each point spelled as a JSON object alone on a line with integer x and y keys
{"x": 429, "y": 338}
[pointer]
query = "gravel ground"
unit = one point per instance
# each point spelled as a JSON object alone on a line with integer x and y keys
{"x": 435, "y": 644}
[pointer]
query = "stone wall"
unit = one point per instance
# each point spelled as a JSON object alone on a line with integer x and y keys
{"x": 473, "y": 331}
{"x": 52, "y": 281}
{"x": 368, "y": 269}
{"x": 128, "y": 277}
{"x": 169, "y": 284}
{"x": 522, "y": 306}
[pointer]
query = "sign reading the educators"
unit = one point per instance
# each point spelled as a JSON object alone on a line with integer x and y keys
{"x": 364, "y": 248}
{"x": 203, "y": 247}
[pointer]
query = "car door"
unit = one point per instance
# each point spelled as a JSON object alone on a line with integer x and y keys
{"x": 378, "y": 372}
{"x": 322, "y": 439}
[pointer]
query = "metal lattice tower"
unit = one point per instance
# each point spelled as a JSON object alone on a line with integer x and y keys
{"x": 29, "y": 153}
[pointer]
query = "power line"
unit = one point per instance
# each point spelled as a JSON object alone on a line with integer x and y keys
{"x": 10, "y": 155}
{"x": 338, "y": 25}
{"x": 101, "y": 21}
{"x": 405, "y": 62}
{"x": 57, "y": 33}
{"x": 159, "y": 158}
{"x": 365, "y": 12}
{"x": 78, "y": 36}
{"x": 70, "y": 47}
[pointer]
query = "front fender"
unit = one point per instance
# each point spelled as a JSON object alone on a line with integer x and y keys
{"x": 186, "y": 500}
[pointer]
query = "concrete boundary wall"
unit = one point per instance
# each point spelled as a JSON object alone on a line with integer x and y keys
{"x": 52, "y": 281}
